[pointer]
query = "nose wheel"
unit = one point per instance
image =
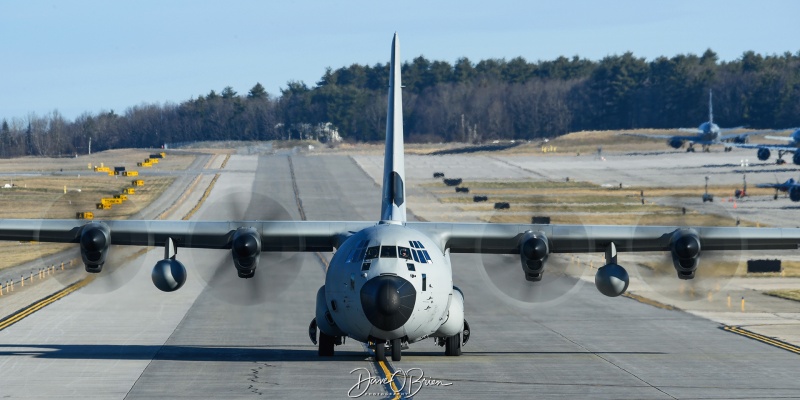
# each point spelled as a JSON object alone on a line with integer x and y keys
{"x": 395, "y": 348}
{"x": 380, "y": 351}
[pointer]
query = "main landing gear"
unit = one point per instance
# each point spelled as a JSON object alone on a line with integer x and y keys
{"x": 452, "y": 344}
{"x": 326, "y": 343}
{"x": 705, "y": 148}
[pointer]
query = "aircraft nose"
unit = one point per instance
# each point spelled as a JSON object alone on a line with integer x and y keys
{"x": 388, "y": 301}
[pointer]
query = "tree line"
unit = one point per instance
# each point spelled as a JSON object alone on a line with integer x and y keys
{"x": 463, "y": 102}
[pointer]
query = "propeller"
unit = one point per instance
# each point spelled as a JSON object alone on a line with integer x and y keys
{"x": 74, "y": 203}
{"x": 651, "y": 272}
{"x": 275, "y": 271}
{"x": 506, "y": 277}
{"x": 654, "y": 273}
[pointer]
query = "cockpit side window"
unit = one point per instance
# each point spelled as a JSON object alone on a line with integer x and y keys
{"x": 388, "y": 251}
{"x": 357, "y": 254}
{"x": 403, "y": 252}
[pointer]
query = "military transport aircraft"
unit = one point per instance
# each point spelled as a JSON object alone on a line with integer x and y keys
{"x": 791, "y": 187}
{"x": 763, "y": 150}
{"x": 390, "y": 282}
{"x": 707, "y": 134}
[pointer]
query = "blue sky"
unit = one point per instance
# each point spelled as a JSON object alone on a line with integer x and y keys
{"x": 88, "y": 56}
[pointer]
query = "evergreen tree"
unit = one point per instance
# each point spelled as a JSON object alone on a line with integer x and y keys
{"x": 228, "y": 93}
{"x": 257, "y": 92}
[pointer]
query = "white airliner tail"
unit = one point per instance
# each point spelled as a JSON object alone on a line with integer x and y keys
{"x": 393, "y": 206}
{"x": 710, "y": 107}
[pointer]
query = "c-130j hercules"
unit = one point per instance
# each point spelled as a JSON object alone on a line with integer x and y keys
{"x": 390, "y": 282}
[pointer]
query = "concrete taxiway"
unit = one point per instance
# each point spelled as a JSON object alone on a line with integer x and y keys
{"x": 220, "y": 336}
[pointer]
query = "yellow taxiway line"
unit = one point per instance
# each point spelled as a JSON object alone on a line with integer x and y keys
{"x": 21, "y": 314}
{"x": 762, "y": 338}
{"x": 387, "y": 373}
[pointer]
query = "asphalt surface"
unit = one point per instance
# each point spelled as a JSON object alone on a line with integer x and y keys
{"x": 220, "y": 336}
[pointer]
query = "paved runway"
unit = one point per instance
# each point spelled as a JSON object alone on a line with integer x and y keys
{"x": 207, "y": 341}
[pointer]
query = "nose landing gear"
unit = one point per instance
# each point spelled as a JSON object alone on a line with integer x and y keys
{"x": 395, "y": 348}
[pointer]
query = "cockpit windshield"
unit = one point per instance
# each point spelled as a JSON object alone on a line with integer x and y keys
{"x": 372, "y": 252}
{"x": 388, "y": 251}
{"x": 416, "y": 253}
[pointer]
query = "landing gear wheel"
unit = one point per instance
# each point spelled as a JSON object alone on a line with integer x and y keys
{"x": 780, "y": 161}
{"x": 380, "y": 351}
{"x": 452, "y": 345}
{"x": 396, "y": 350}
{"x": 325, "y": 345}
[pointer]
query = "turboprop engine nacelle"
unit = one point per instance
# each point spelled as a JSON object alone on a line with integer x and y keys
{"x": 246, "y": 250}
{"x": 95, "y": 239}
{"x": 685, "y": 249}
{"x": 533, "y": 251}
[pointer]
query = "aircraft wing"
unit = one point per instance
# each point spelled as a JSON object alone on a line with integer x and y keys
{"x": 505, "y": 238}
{"x": 275, "y": 235}
{"x": 457, "y": 237}
{"x": 736, "y": 128}
{"x": 742, "y": 135}
{"x": 781, "y": 147}
{"x": 779, "y": 186}
{"x": 668, "y": 137}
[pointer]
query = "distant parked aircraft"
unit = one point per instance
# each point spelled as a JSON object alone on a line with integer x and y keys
{"x": 793, "y": 143}
{"x": 790, "y": 186}
{"x": 707, "y": 134}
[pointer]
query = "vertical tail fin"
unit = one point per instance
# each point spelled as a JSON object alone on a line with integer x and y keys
{"x": 710, "y": 107}
{"x": 393, "y": 206}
